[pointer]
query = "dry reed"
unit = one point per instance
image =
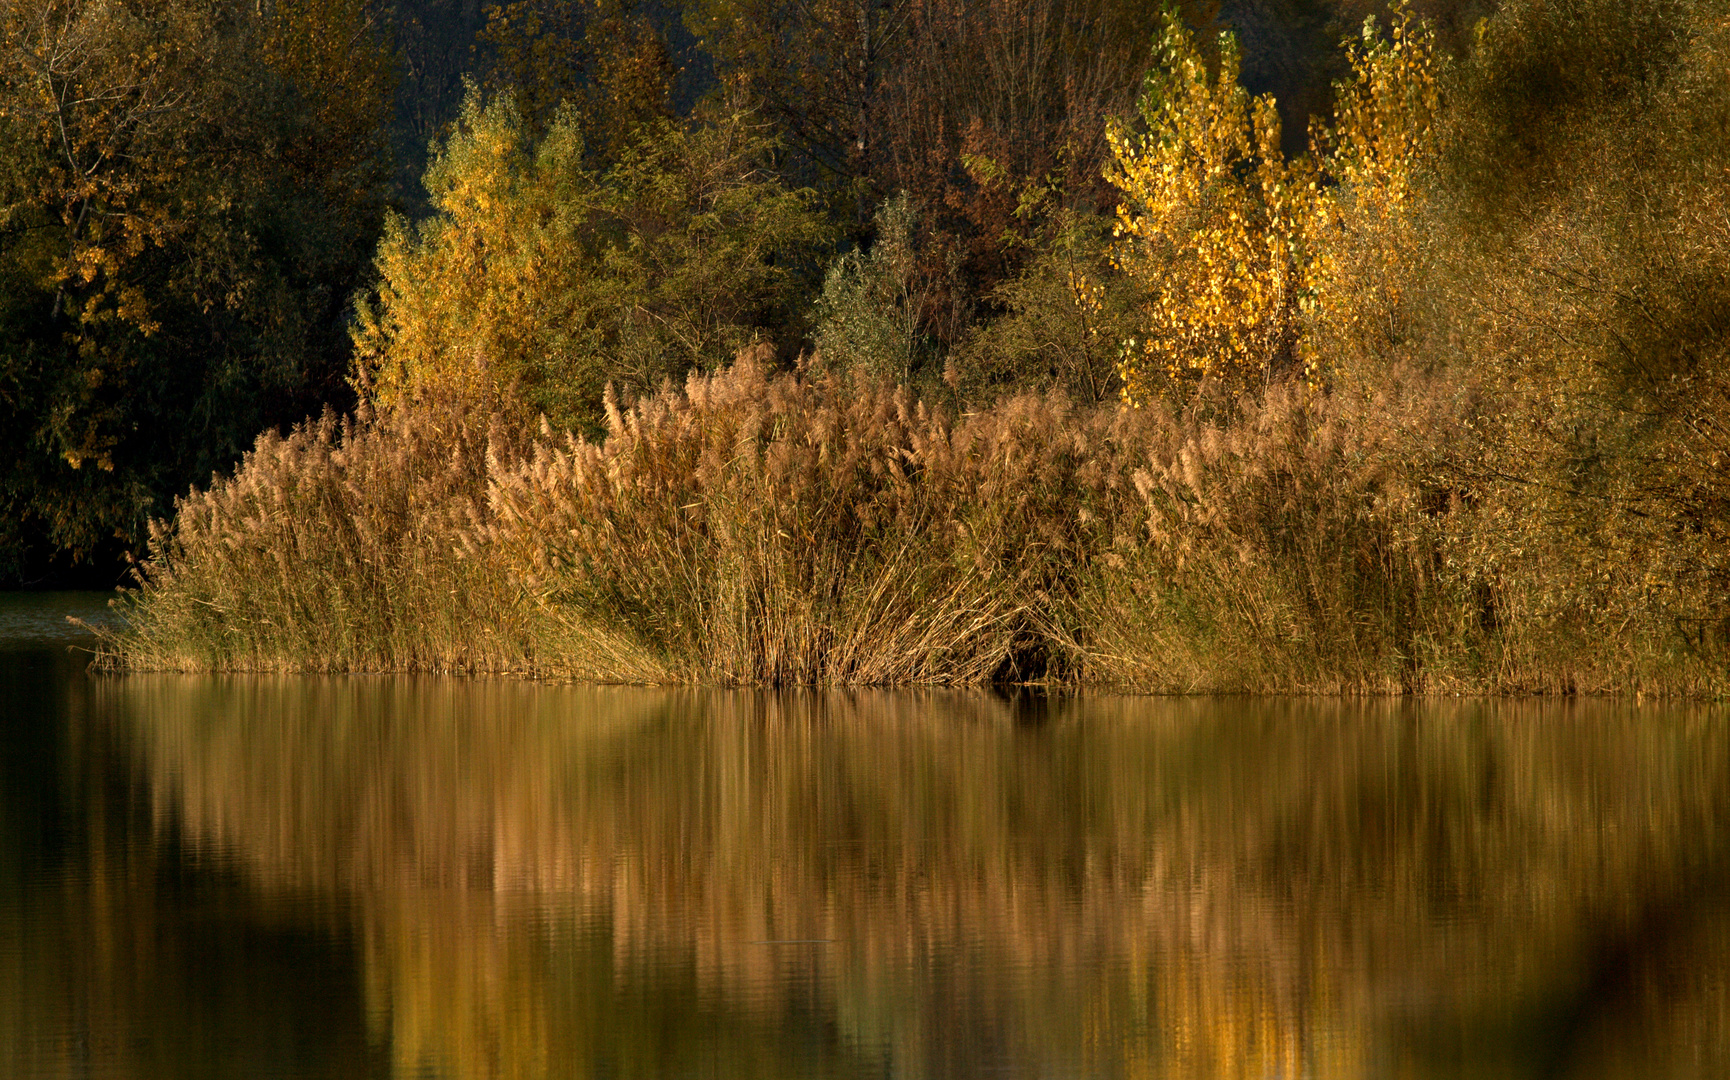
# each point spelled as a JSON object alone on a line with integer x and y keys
{"x": 335, "y": 548}
{"x": 1288, "y": 548}
{"x": 749, "y": 528}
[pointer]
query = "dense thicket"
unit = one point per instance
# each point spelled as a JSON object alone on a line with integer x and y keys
{"x": 1214, "y": 356}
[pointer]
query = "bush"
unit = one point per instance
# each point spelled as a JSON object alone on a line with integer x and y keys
{"x": 1580, "y": 204}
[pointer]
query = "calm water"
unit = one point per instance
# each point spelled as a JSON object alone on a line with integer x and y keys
{"x": 274, "y": 877}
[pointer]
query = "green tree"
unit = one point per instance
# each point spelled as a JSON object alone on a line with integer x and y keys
{"x": 544, "y": 278}
{"x": 1063, "y": 315}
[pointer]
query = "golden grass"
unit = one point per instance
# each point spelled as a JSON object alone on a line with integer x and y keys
{"x": 750, "y": 528}
{"x": 336, "y": 548}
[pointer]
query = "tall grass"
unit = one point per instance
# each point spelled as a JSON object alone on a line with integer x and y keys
{"x": 741, "y": 529}
{"x": 1283, "y": 548}
{"x": 1368, "y": 540}
{"x": 753, "y": 529}
{"x": 750, "y": 528}
{"x": 335, "y": 548}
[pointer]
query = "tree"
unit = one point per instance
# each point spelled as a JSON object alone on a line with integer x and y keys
{"x": 1248, "y": 262}
{"x": 606, "y": 60}
{"x": 544, "y": 278}
{"x": 868, "y": 320}
{"x": 1207, "y": 224}
{"x": 1063, "y": 314}
{"x": 814, "y": 67}
{"x": 990, "y": 98}
{"x": 885, "y": 97}
{"x": 1364, "y": 233}
{"x": 1586, "y": 228}
{"x": 189, "y": 195}
{"x": 434, "y": 45}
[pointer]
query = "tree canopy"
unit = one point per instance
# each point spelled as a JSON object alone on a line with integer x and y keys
{"x": 219, "y": 217}
{"x": 189, "y": 192}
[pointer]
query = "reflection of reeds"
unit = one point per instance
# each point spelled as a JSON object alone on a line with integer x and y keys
{"x": 750, "y": 529}
{"x": 1210, "y": 890}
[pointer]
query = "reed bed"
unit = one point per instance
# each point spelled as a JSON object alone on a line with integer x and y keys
{"x": 749, "y": 529}
{"x": 754, "y": 528}
{"x": 1373, "y": 540}
{"x": 336, "y": 548}
{"x": 1282, "y": 547}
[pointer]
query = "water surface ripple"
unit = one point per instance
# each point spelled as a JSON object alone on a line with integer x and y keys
{"x": 300, "y": 877}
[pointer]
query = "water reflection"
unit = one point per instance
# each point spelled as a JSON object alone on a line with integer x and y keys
{"x": 38, "y": 620}
{"x": 118, "y": 958}
{"x": 556, "y": 881}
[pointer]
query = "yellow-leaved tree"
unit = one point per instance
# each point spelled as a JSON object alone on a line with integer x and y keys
{"x": 1207, "y": 223}
{"x": 464, "y": 307}
{"x": 541, "y": 278}
{"x": 1362, "y": 236}
{"x": 1247, "y": 263}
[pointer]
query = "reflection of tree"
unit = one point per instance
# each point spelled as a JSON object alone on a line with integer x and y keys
{"x": 554, "y": 880}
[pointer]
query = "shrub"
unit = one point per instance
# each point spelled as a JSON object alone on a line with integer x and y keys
{"x": 758, "y": 529}
{"x": 1584, "y": 291}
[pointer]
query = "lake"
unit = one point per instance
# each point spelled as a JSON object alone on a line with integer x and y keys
{"x": 224, "y": 876}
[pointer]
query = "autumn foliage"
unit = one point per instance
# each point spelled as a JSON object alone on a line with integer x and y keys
{"x": 830, "y": 356}
{"x": 1250, "y": 261}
